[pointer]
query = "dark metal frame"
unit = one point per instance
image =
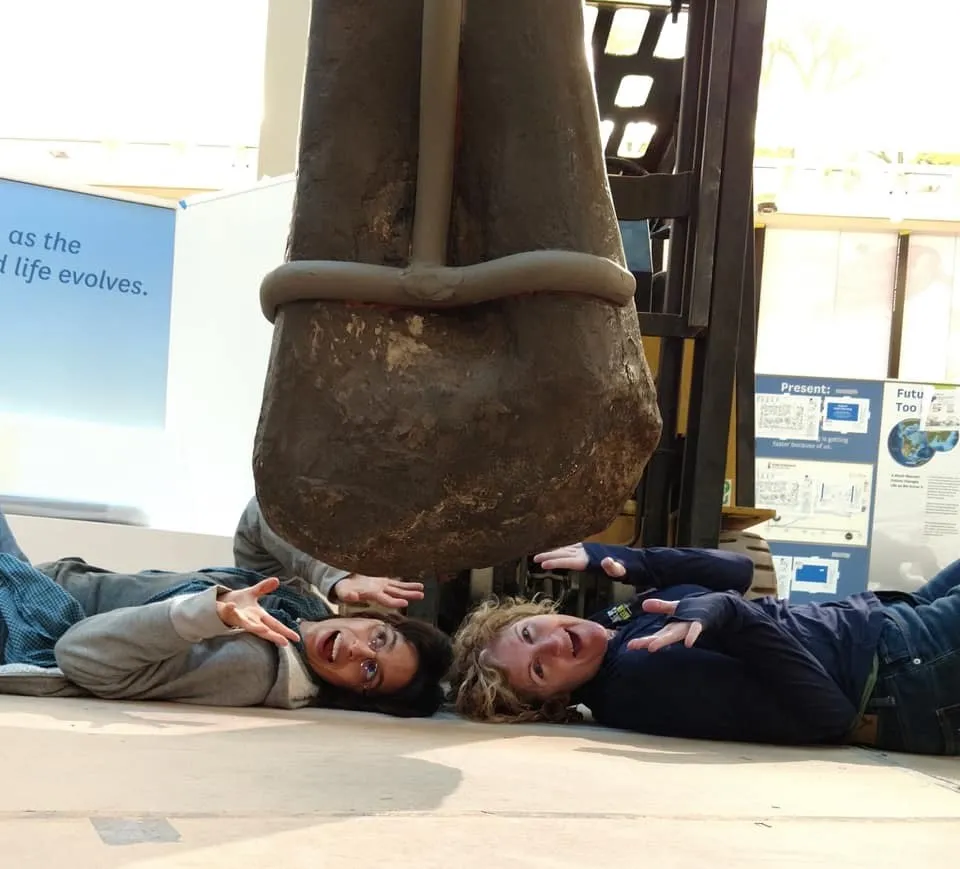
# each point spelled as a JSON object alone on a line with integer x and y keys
{"x": 899, "y": 304}
{"x": 694, "y": 185}
{"x": 704, "y": 108}
{"x": 746, "y": 373}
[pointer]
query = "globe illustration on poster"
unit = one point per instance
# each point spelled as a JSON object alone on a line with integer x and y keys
{"x": 912, "y": 447}
{"x": 942, "y": 441}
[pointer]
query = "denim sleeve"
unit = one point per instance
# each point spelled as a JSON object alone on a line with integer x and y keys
{"x": 8, "y": 541}
{"x": 663, "y": 567}
{"x": 799, "y": 682}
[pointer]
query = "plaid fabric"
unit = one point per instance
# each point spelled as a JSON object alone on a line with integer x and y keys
{"x": 285, "y": 605}
{"x": 8, "y": 543}
{"x": 34, "y": 613}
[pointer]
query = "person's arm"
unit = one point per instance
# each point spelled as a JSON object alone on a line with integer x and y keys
{"x": 256, "y": 547}
{"x": 8, "y": 540}
{"x": 662, "y": 567}
{"x": 776, "y": 659}
{"x": 176, "y": 649}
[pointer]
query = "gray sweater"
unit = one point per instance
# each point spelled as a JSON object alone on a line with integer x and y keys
{"x": 176, "y": 649}
{"x": 256, "y": 547}
{"x": 179, "y": 650}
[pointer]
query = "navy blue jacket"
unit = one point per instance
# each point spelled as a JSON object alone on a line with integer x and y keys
{"x": 762, "y": 671}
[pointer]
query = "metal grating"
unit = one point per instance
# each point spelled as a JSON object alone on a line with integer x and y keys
{"x": 677, "y": 113}
{"x": 637, "y": 57}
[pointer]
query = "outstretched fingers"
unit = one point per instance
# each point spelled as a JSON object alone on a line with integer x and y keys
{"x": 613, "y": 568}
{"x": 262, "y": 624}
{"x": 405, "y": 591}
{"x": 563, "y": 558}
{"x": 278, "y": 629}
{"x": 384, "y": 598}
{"x": 696, "y": 628}
{"x": 266, "y": 586}
{"x": 679, "y": 632}
{"x": 663, "y": 607}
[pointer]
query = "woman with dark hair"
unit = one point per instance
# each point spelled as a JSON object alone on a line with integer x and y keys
{"x": 263, "y": 644}
{"x": 223, "y": 637}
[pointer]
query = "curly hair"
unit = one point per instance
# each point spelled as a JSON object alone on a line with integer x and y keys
{"x": 478, "y": 690}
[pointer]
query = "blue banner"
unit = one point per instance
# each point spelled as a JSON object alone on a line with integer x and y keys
{"x": 85, "y": 290}
{"x": 817, "y": 442}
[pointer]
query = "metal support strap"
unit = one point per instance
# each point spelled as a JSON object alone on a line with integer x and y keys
{"x": 439, "y": 87}
{"x": 427, "y": 282}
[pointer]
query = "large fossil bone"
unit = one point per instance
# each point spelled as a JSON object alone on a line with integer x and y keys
{"x": 456, "y": 375}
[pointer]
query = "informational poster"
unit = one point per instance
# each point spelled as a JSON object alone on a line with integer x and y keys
{"x": 816, "y": 451}
{"x": 916, "y": 523}
{"x": 85, "y": 292}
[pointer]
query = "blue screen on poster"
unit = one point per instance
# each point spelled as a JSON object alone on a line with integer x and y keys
{"x": 812, "y": 573}
{"x": 85, "y": 289}
{"x": 842, "y": 411}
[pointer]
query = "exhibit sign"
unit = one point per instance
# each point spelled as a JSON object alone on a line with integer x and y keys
{"x": 816, "y": 451}
{"x": 85, "y": 293}
{"x": 916, "y": 523}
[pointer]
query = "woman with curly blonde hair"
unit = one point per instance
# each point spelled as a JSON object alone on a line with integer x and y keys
{"x": 481, "y": 690}
{"x": 699, "y": 661}
{"x": 484, "y": 685}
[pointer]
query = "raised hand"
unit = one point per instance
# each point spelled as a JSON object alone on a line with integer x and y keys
{"x": 241, "y": 609}
{"x": 676, "y": 632}
{"x": 566, "y": 558}
{"x": 613, "y": 568}
{"x": 394, "y": 593}
{"x": 575, "y": 558}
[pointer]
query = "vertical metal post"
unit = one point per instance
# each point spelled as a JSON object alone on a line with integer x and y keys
{"x": 693, "y": 91}
{"x": 712, "y": 177}
{"x": 653, "y": 516}
{"x": 899, "y": 305}
{"x": 715, "y": 356}
{"x": 745, "y": 489}
{"x": 759, "y": 251}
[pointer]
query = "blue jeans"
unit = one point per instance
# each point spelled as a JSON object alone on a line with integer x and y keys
{"x": 8, "y": 543}
{"x": 917, "y": 695}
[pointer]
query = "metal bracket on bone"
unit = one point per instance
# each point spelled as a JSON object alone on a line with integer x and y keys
{"x": 427, "y": 282}
{"x": 435, "y": 287}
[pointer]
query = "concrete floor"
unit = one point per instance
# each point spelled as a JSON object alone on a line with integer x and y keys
{"x": 149, "y": 786}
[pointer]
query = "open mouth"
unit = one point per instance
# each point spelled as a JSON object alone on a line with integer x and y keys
{"x": 574, "y": 642}
{"x": 331, "y": 647}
